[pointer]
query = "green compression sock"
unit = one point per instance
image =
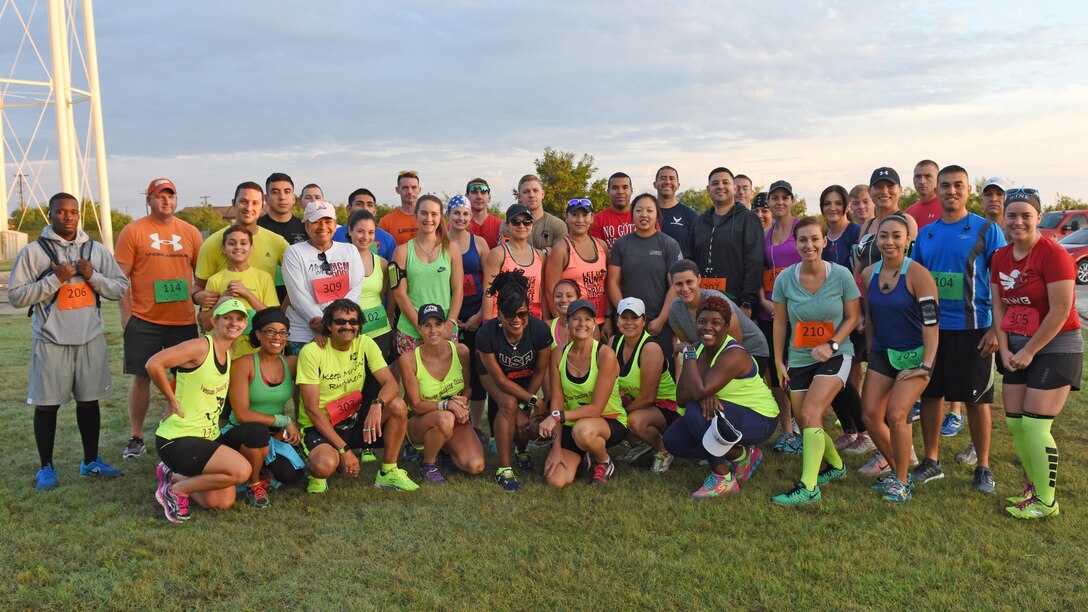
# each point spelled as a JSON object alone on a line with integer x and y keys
{"x": 1015, "y": 423}
{"x": 812, "y": 454}
{"x": 1044, "y": 456}
{"x": 388, "y": 466}
{"x": 831, "y": 455}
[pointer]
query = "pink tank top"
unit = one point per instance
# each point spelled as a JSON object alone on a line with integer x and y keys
{"x": 589, "y": 276}
{"x": 534, "y": 272}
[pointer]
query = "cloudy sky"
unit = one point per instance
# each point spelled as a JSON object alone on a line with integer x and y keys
{"x": 346, "y": 94}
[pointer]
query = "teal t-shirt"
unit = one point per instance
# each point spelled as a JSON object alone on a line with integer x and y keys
{"x": 814, "y": 310}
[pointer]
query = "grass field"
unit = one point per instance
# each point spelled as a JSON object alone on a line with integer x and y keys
{"x": 639, "y": 542}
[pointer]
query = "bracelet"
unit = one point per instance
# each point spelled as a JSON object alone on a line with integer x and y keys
{"x": 444, "y": 404}
{"x": 192, "y": 297}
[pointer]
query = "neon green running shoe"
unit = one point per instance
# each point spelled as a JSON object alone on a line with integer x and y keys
{"x": 798, "y": 495}
{"x": 829, "y": 474}
{"x": 316, "y": 485}
{"x": 395, "y": 479}
{"x": 368, "y": 456}
{"x": 1033, "y": 508}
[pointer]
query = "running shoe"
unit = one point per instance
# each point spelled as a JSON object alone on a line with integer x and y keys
{"x": 983, "y": 481}
{"x": 795, "y": 445}
{"x": 927, "y": 470}
{"x": 316, "y": 485}
{"x": 524, "y": 461}
{"x": 798, "y": 495}
{"x": 968, "y": 456}
{"x": 783, "y": 440}
{"x": 46, "y": 478}
{"x": 491, "y": 446}
{"x": 951, "y": 425}
{"x": 744, "y": 468}
{"x": 845, "y": 440}
{"x": 431, "y": 474}
{"x": 896, "y": 492}
{"x": 99, "y": 468}
{"x": 913, "y": 456}
{"x": 1029, "y": 491}
{"x": 257, "y": 496}
{"x": 395, "y": 479}
{"x": 411, "y": 454}
{"x": 444, "y": 460}
{"x": 915, "y": 412}
{"x": 134, "y": 448}
{"x": 862, "y": 445}
{"x": 164, "y": 494}
{"x": 507, "y": 480}
{"x": 662, "y": 462}
{"x": 367, "y": 456}
{"x": 876, "y": 466}
{"x": 717, "y": 485}
{"x": 636, "y": 451}
{"x": 1033, "y": 508}
{"x": 602, "y": 472}
{"x": 830, "y": 474}
{"x": 183, "y": 504}
{"x": 885, "y": 479}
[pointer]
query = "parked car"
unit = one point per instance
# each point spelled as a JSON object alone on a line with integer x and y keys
{"x": 1077, "y": 245}
{"x": 1058, "y": 223}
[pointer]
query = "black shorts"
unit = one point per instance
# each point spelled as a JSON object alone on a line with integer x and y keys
{"x": 861, "y": 353}
{"x": 475, "y": 368}
{"x": 960, "y": 373}
{"x": 350, "y": 430}
{"x": 767, "y": 327}
{"x": 879, "y": 363}
{"x": 670, "y": 415}
{"x": 189, "y": 455}
{"x": 838, "y": 366}
{"x": 385, "y": 343}
{"x": 1047, "y": 371}
{"x": 143, "y": 339}
{"x": 617, "y": 433}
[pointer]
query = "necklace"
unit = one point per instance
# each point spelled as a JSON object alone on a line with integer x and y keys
{"x": 429, "y": 252}
{"x": 886, "y": 287}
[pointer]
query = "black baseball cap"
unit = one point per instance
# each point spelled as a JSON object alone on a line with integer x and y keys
{"x": 430, "y": 311}
{"x": 781, "y": 185}
{"x": 516, "y": 210}
{"x": 884, "y": 174}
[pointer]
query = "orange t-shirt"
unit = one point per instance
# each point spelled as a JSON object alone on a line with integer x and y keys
{"x": 401, "y": 225}
{"x": 162, "y": 257}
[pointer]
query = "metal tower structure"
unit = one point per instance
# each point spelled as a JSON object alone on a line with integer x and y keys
{"x": 79, "y": 164}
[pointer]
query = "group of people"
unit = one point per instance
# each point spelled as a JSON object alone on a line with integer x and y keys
{"x": 282, "y": 344}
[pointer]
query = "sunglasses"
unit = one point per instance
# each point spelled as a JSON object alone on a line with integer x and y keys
{"x": 521, "y": 314}
{"x": 479, "y": 189}
{"x": 580, "y": 202}
{"x": 351, "y": 322}
{"x": 271, "y": 333}
{"x": 326, "y": 267}
{"x": 410, "y": 173}
{"x": 1022, "y": 191}
{"x": 521, "y": 222}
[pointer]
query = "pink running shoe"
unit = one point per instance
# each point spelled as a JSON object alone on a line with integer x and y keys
{"x": 717, "y": 485}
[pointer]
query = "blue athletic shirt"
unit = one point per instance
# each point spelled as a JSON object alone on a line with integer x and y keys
{"x": 958, "y": 256}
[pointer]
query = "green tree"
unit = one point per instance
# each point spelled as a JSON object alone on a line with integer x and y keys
{"x": 1063, "y": 202}
{"x": 205, "y": 218}
{"x": 30, "y": 219}
{"x": 696, "y": 198}
{"x": 118, "y": 219}
{"x": 564, "y": 179}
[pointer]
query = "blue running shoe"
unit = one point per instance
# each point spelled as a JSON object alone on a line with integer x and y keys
{"x": 915, "y": 412}
{"x": 507, "y": 480}
{"x": 795, "y": 445}
{"x": 46, "y": 478}
{"x": 99, "y": 468}
{"x": 896, "y": 492}
{"x": 952, "y": 425}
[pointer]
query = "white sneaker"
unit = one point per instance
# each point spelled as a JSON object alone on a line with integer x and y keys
{"x": 862, "y": 445}
{"x": 875, "y": 467}
{"x": 968, "y": 456}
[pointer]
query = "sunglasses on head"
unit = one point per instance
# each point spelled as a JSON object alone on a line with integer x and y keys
{"x": 580, "y": 202}
{"x": 404, "y": 173}
{"x": 351, "y": 322}
{"x": 479, "y": 189}
{"x": 1022, "y": 191}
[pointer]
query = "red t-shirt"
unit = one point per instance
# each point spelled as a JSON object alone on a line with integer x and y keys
{"x": 488, "y": 230}
{"x": 925, "y": 212}
{"x": 610, "y": 226}
{"x": 1021, "y": 285}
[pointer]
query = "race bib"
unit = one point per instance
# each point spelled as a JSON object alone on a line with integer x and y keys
{"x": 1021, "y": 320}
{"x": 373, "y": 318}
{"x": 949, "y": 285}
{"x": 768, "y": 278}
{"x": 906, "y": 360}
{"x": 343, "y": 407}
{"x": 469, "y": 287}
{"x": 329, "y": 288}
{"x": 76, "y": 295}
{"x": 716, "y": 284}
{"x": 810, "y": 334}
{"x": 171, "y": 291}
{"x": 279, "y": 275}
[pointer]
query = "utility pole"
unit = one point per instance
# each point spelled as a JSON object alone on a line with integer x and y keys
{"x": 20, "y": 177}
{"x": 205, "y": 198}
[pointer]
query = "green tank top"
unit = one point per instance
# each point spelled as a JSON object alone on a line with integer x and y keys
{"x": 265, "y": 399}
{"x": 201, "y": 393}
{"x": 376, "y": 321}
{"x": 630, "y": 384}
{"x": 749, "y": 391}
{"x": 428, "y": 283}
{"x": 430, "y": 388}
{"x": 576, "y": 395}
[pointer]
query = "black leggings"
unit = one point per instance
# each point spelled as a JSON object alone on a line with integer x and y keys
{"x": 847, "y": 407}
{"x": 283, "y": 471}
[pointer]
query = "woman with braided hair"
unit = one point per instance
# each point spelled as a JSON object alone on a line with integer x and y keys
{"x": 513, "y": 350}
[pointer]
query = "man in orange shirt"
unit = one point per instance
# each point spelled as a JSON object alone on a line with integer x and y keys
{"x": 402, "y": 221}
{"x": 158, "y": 254}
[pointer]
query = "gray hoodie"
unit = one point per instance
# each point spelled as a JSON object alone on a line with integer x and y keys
{"x": 27, "y": 287}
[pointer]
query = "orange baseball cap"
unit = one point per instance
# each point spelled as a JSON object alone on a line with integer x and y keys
{"x": 159, "y": 184}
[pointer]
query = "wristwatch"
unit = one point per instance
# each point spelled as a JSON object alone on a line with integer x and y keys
{"x": 834, "y": 345}
{"x": 558, "y": 416}
{"x": 531, "y": 402}
{"x": 379, "y": 401}
{"x": 925, "y": 367}
{"x": 343, "y": 449}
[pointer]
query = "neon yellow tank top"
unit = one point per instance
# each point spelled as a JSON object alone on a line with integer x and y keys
{"x": 631, "y": 384}
{"x": 201, "y": 394}
{"x": 375, "y": 320}
{"x": 430, "y": 388}
{"x": 576, "y": 395}
{"x": 749, "y": 391}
